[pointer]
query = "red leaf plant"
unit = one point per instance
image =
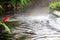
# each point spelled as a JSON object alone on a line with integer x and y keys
{"x": 5, "y": 18}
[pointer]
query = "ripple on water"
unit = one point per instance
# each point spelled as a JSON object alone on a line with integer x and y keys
{"x": 35, "y": 29}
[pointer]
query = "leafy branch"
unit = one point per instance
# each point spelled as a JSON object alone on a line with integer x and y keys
{"x": 54, "y": 5}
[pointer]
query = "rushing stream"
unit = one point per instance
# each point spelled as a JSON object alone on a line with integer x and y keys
{"x": 35, "y": 23}
{"x": 36, "y": 28}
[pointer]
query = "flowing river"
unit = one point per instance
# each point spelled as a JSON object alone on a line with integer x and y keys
{"x": 35, "y": 23}
{"x": 35, "y": 26}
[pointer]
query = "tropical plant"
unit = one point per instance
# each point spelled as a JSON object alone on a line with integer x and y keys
{"x": 22, "y": 2}
{"x": 4, "y": 25}
{"x": 6, "y": 5}
{"x": 55, "y": 5}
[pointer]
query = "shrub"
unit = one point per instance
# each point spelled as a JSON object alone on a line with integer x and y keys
{"x": 22, "y": 3}
{"x": 55, "y": 5}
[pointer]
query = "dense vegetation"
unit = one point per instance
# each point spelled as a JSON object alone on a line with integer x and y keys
{"x": 55, "y": 5}
{"x": 12, "y": 4}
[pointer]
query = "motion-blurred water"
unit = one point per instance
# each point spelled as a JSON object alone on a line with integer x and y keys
{"x": 34, "y": 24}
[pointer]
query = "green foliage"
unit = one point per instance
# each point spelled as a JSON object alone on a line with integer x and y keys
{"x": 5, "y": 26}
{"x": 23, "y": 3}
{"x": 1, "y": 8}
{"x": 13, "y": 1}
{"x": 54, "y": 5}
